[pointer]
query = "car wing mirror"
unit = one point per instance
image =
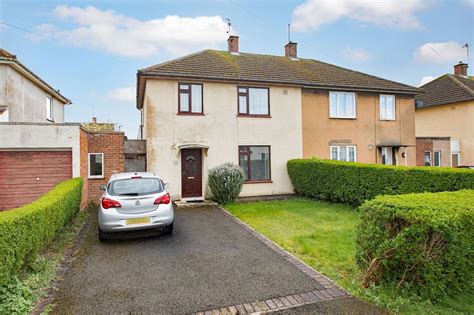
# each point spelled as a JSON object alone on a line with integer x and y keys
{"x": 103, "y": 188}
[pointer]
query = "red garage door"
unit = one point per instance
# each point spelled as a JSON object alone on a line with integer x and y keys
{"x": 26, "y": 175}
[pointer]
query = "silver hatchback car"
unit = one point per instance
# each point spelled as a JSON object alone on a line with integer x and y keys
{"x": 132, "y": 202}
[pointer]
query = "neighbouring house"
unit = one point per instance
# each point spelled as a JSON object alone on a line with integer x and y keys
{"x": 38, "y": 149}
{"x": 259, "y": 111}
{"x": 433, "y": 151}
{"x": 446, "y": 109}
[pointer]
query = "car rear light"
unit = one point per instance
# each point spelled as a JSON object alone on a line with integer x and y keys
{"x": 109, "y": 203}
{"x": 165, "y": 199}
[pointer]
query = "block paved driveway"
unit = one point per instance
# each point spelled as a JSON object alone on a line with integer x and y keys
{"x": 209, "y": 262}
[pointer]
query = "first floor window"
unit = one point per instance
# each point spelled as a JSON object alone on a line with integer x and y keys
{"x": 49, "y": 108}
{"x": 427, "y": 158}
{"x": 387, "y": 107}
{"x": 437, "y": 158}
{"x": 253, "y": 101}
{"x": 455, "y": 159}
{"x": 255, "y": 161}
{"x": 388, "y": 155}
{"x": 342, "y": 105}
{"x": 343, "y": 153}
{"x": 4, "y": 114}
{"x": 96, "y": 165}
{"x": 190, "y": 98}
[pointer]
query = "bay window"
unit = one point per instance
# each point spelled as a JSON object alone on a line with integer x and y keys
{"x": 190, "y": 98}
{"x": 253, "y": 101}
{"x": 344, "y": 153}
{"x": 342, "y": 105}
{"x": 255, "y": 161}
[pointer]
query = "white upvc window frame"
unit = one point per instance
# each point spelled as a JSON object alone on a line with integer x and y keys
{"x": 394, "y": 113}
{"x": 89, "y": 165}
{"x": 338, "y": 147}
{"x": 424, "y": 158}
{"x": 434, "y": 158}
{"x": 49, "y": 108}
{"x": 335, "y": 115}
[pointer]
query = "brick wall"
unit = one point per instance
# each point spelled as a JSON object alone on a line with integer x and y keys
{"x": 111, "y": 144}
{"x": 83, "y": 145}
{"x": 422, "y": 146}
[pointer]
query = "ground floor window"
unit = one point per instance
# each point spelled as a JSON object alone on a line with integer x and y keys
{"x": 455, "y": 159}
{"x": 437, "y": 158}
{"x": 388, "y": 155}
{"x": 255, "y": 161}
{"x": 427, "y": 158}
{"x": 343, "y": 153}
{"x": 96, "y": 165}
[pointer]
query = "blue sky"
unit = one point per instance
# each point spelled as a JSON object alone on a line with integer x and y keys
{"x": 91, "y": 50}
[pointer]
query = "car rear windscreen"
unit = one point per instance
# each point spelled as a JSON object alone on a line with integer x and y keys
{"x": 135, "y": 187}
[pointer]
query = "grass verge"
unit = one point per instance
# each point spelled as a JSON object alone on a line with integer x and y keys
{"x": 20, "y": 295}
{"x": 323, "y": 236}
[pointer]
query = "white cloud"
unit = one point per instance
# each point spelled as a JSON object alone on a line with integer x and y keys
{"x": 426, "y": 79}
{"x": 118, "y": 34}
{"x": 357, "y": 54}
{"x": 123, "y": 94}
{"x": 393, "y": 13}
{"x": 449, "y": 52}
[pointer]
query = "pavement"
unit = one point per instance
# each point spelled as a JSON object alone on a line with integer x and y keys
{"x": 210, "y": 261}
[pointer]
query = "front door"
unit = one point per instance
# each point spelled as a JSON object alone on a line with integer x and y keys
{"x": 191, "y": 173}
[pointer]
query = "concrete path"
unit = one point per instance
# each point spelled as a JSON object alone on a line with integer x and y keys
{"x": 210, "y": 262}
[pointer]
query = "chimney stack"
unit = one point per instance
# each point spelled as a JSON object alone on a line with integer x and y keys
{"x": 290, "y": 50}
{"x": 94, "y": 120}
{"x": 233, "y": 44}
{"x": 461, "y": 68}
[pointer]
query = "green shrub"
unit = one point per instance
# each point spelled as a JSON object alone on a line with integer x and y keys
{"x": 225, "y": 182}
{"x": 354, "y": 183}
{"x": 25, "y": 231}
{"x": 423, "y": 243}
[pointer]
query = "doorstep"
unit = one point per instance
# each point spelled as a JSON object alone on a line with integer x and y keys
{"x": 194, "y": 203}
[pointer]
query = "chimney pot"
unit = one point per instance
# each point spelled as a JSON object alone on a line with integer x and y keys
{"x": 461, "y": 68}
{"x": 94, "y": 120}
{"x": 290, "y": 50}
{"x": 233, "y": 44}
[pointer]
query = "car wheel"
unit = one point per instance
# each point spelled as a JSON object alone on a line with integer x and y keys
{"x": 169, "y": 229}
{"x": 102, "y": 236}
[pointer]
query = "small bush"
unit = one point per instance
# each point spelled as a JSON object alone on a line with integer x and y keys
{"x": 419, "y": 242}
{"x": 225, "y": 182}
{"x": 353, "y": 183}
{"x": 25, "y": 231}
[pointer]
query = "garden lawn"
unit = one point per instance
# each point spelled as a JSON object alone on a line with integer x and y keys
{"x": 322, "y": 234}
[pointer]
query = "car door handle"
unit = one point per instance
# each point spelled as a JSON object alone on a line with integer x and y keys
{"x": 191, "y": 177}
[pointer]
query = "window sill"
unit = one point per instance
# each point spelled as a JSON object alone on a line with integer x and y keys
{"x": 190, "y": 114}
{"x": 254, "y": 116}
{"x": 386, "y": 119}
{"x": 346, "y": 118}
{"x": 96, "y": 177}
{"x": 268, "y": 181}
{"x": 50, "y": 120}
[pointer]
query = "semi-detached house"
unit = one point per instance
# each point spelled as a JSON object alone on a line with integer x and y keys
{"x": 259, "y": 111}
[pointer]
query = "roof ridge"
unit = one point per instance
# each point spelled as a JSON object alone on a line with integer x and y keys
{"x": 461, "y": 84}
{"x": 326, "y": 63}
{"x": 173, "y": 60}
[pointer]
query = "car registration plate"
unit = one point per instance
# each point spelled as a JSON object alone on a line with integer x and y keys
{"x": 138, "y": 221}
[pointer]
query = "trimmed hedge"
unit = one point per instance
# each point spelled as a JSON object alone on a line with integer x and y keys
{"x": 26, "y": 230}
{"x": 353, "y": 183}
{"x": 420, "y": 242}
